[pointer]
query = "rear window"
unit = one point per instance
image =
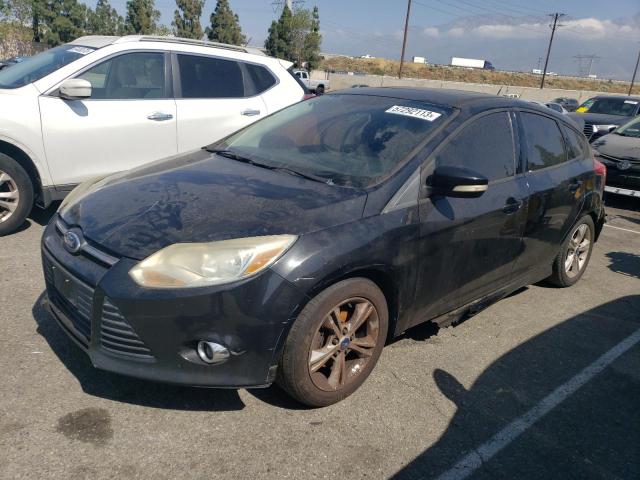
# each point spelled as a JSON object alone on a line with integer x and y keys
{"x": 348, "y": 140}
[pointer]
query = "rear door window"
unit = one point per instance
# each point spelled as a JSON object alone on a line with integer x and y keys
{"x": 544, "y": 142}
{"x": 209, "y": 77}
{"x": 258, "y": 79}
{"x": 484, "y": 146}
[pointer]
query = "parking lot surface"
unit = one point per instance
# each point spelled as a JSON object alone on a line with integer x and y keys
{"x": 544, "y": 384}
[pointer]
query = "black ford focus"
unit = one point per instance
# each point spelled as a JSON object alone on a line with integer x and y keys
{"x": 295, "y": 248}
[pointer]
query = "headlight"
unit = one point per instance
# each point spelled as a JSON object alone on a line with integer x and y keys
{"x": 77, "y": 193}
{"x": 187, "y": 265}
{"x": 600, "y": 128}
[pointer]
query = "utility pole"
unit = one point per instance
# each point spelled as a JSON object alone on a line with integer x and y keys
{"x": 556, "y": 16}
{"x": 404, "y": 39}
{"x": 635, "y": 70}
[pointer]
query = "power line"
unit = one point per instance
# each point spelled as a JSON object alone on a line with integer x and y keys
{"x": 556, "y": 16}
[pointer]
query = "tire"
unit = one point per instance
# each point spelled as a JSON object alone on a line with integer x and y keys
{"x": 320, "y": 90}
{"x": 16, "y": 195}
{"x": 562, "y": 275}
{"x": 353, "y": 354}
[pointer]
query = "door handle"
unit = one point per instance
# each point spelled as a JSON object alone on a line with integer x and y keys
{"x": 512, "y": 205}
{"x": 159, "y": 116}
{"x": 573, "y": 186}
{"x": 250, "y": 112}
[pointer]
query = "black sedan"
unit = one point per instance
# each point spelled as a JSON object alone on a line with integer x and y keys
{"x": 620, "y": 152}
{"x": 295, "y": 248}
{"x": 605, "y": 113}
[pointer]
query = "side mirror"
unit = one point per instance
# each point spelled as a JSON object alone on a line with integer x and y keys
{"x": 75, "y": 89}
{"x": 457, "y": 182}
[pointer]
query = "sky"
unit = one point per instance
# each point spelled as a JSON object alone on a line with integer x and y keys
{"x": 512, "y": 34}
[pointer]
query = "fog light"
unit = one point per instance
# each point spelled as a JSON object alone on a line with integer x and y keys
{"x": 212, "y": 353}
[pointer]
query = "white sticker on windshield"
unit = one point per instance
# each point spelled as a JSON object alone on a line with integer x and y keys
{"x": 81, "y": 50}
{"x": 632, "y": 102}
{"x": 427, "y": 115}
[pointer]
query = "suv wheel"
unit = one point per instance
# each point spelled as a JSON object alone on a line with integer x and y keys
{"x": 334, "y": 343}
{"x": 574, "y": 255}
{"x": 16, "y": 195}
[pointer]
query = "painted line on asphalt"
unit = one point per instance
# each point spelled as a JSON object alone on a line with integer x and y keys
{"x": 482, "y": 454}
{"x": 620, "y": 228}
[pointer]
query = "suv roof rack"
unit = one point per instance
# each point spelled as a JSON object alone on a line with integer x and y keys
{"x": 189, "y": 41}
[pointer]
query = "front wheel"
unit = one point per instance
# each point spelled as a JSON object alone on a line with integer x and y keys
{"x": 16, "y": 195}
{"x": 334, "y": 343}
{"x": 574, "y": 255}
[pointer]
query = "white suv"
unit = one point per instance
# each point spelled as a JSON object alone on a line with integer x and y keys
{"x": 99, "y": 105}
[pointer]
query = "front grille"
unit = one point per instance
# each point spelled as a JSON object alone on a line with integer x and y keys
{"x": 75, "y": 302}
{"x": 117, "y": 336}
{"x": 588, "y": 130}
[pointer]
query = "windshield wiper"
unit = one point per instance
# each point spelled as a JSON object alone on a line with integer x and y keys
{"x": 243, "y": 159}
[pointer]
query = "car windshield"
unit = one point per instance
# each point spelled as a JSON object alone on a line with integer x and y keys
{"x": 611, "y": 106}
{"x": 348, "y": 140}
{"x": 630, "y": 129}
{"x": 34, "y": 68}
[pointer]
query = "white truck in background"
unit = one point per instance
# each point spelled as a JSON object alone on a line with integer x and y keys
{"x": 315, "y": 86}
{"x": 471, "y": 63}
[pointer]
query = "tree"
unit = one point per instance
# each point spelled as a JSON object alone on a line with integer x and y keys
{"x": 295, "y": 36}
{"x": 225, "y": 25}
{"x": 142, "y": 17}
{"x": 312, "y": 42}
{"x": 104, "y": 20}
{"x": 64, "y": 21}
{"x": 280, "y": 39}
{"x": 187, "y": 24}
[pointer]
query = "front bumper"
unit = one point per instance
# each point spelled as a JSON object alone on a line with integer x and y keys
{"x": 153, "y": 334}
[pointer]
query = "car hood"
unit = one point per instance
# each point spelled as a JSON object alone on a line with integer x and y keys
{"x": 202, "y": 197}
{"x": 600, "y": 118}
{"x": 619, "y": 146}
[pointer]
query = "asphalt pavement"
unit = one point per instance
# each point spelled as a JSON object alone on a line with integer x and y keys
{"x": 544, "y": 384}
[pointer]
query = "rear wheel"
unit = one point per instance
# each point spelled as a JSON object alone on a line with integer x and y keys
{"x": 334, "y": 343}
{"x": 574, "y": 255}
{"x": 320, "y": 90}
{"x": 16, "y": 195}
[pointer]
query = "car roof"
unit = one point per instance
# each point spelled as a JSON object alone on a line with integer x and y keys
{"x": 441, "y": 96}
{"x": 99, "y": 41}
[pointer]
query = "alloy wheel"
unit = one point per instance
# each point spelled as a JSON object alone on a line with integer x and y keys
{"x": 578, "y": 250}
{"x": 9, "y": 196}
{"x": 344, "y": 344}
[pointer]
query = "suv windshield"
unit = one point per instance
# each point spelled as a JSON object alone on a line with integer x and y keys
{"x": 631, "y": 129}
{"x": 610, "y": 106}
{"x": 350, "y": 140}
{"x": 34, "y": 68}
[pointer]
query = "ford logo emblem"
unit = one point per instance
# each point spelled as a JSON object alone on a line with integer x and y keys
{"x": 72, "y": 242}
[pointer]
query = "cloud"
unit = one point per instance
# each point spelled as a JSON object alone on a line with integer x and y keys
{"x": 431, "y": 32}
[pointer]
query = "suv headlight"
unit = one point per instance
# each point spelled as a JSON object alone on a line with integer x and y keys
{"x": 187, "y": 265}
{"x": 608, "y": 128}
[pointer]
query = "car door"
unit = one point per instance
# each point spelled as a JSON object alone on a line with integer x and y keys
{"x": 129, "y": 120}
{"x": 556, "y": 187}
{"x": 469, "y": 245}
{"x": 216, "y": 97}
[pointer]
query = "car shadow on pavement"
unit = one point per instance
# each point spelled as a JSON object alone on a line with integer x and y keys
{"x": 126, "y": 389}
{"x": 624, "y": 263}
{"x": 593, "y": 433}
